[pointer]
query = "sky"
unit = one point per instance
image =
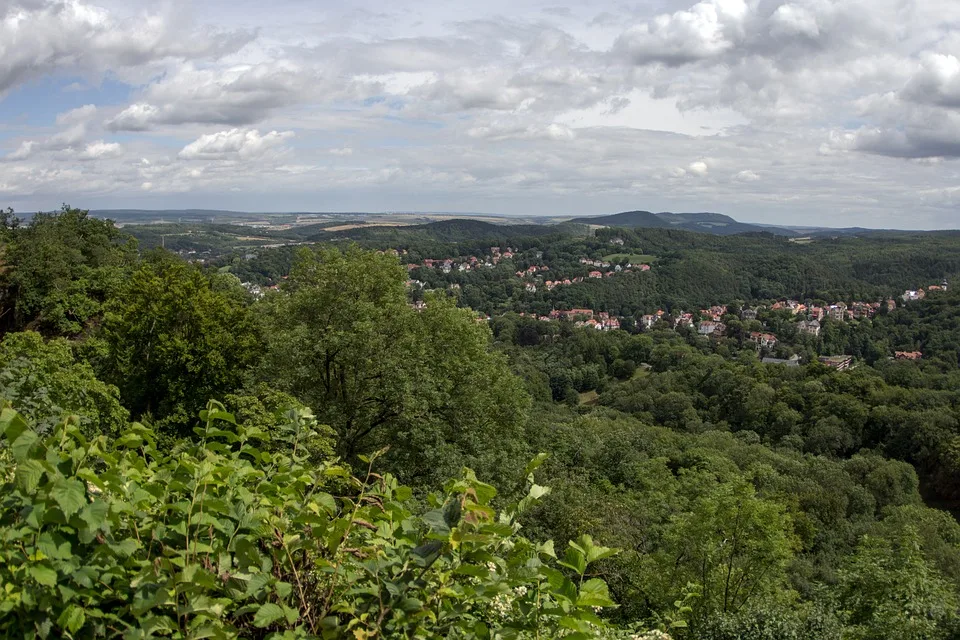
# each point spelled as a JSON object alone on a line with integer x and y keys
{"x": 803, "y": 112}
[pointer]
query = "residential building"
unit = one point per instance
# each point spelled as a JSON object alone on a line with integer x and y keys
{"x": 809, "y": 327}
{"x": 709, "y": 328}
{"x": 840, "y": 363}
{"x": 908, "y": 355}
{"x": 763, "y": 340}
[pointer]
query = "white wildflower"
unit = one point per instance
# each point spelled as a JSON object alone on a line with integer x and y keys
{"x": 501, "y": 605}
{"x": 520, "y": 591}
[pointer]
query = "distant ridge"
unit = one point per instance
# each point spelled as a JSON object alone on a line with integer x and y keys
{"x": 704, "y": 222}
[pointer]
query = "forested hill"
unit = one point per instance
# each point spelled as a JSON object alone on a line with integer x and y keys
{"x": 714, "y": 223}
{"x": 450, "y": 231}
{"x": 356, "y": 453}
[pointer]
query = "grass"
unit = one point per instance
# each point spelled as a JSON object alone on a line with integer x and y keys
{"x": 589, "y": 397}
{"x": 633, "y": 258}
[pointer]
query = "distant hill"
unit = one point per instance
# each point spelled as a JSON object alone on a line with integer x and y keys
{"x": 457, "y": 230}
{"x": 715, "y": 223}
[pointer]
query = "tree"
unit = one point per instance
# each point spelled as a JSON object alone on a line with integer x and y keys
{"x": 343, "y": 340}
{"x": 64, "y": 266}
{"x": 888, "y": 590}
{"x": 173, "y": 341}
{"x": 46, "y": 383}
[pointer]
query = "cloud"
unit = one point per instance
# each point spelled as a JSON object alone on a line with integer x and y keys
{"x": 100, "y": 149}
{"x": 937, "y": 82}
{"x": 237, "y": 95}
{"x": 41, "y": 37}
{"x": 343, "y": 151}
{"x": 698, "y": 168}
{"x": 704, "y": 31}
{"x": 746, "y": 176}
{"x": 234, "y": 144}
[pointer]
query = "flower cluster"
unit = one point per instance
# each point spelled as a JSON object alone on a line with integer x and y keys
{"x": 500, "y": 605}
{"x": 655, "y": 634}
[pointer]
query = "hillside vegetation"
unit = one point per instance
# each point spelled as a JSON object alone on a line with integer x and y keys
{"x": 352, "y": 455}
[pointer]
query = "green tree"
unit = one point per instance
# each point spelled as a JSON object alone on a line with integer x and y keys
{"x": 173, "y": 340}
{"x": 888, "y": 590}
{"x": 63, "y": 266}
{"x": 343, "y": 340}
{"x": 47, "y": 383}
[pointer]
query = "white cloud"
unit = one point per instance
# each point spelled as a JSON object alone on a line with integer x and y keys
{"x": 847, "y": 106}
{"x": 704, "y": 31}
{"x": 234, "y": 144}
{"x": 44, "y": 36}
{"x": 100, "y": 149}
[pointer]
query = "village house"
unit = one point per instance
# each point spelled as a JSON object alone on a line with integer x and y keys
{"x": 840, "y": 363}
{"x": 816, "y": 313}
{"x": 809, "y": 327}
{"x": 837, "y": 312}
{"x": 748, "y": 314}
{"x": 763, "y": 340}
{"x": 647, "y": 321}
{"x": 617, "y": 241}
{"x": 595, "y": 274}
{"x": 713, "y": 329}
{"x": 644, "y": 267}
{"x": 907, "y": 355}
{"x": 531, "y": 288}
{"x": 683, "y": 320}
{"x": 912, "y": 296}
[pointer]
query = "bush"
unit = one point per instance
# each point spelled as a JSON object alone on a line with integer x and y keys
{"x": 221, "y": 538}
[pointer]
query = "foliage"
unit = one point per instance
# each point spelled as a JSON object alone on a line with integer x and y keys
{"x": 46, "y": 383}
{"x": 62, "y": 267}
{"x": 222, "y": 539}
{"x": 174, "y": 340}
{"x": 342, "y": 339}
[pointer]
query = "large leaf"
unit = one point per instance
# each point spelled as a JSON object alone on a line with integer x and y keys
{"x": 594, "y": 593}
{"x": 22, "y": 445}
{"x": 267, "y": 614}
{"x": 70, "y": 494}
{"x": 44, "y": 575}
{"x": 72, "y": 619}
{"x": 28, "y": 474}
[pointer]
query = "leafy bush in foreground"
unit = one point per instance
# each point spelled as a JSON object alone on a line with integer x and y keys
{"x": 221, "y": 539}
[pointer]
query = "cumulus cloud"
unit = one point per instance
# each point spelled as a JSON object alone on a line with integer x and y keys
{"x": 746, "y": 176}
{"x": 40, "y": 37}
{"x": 237, "y": 95}
{"x": 100, "y": 149}
{"x": 234, "y": 144}
{"x": 704, "y": 31}
{"x": 698, "y": 168}
{"x": 936, "y": 82}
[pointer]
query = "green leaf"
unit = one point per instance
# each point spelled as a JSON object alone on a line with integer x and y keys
{"x": 266, "y": 615}
{"x": 70, "y": 494}
{"x": 22, "y": 445}
{"x": 534, "y": 464}
{"x": 594, "y": 593}
{"x": 44, "y": 575}
{"x": 95, "y": 514}
{"x": 575, "y": 559}
{"x": 28, "y": 474}
{"x": 72, "y": 619}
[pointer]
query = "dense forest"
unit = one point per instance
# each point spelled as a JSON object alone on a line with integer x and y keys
{"x": 349, "y": 456}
